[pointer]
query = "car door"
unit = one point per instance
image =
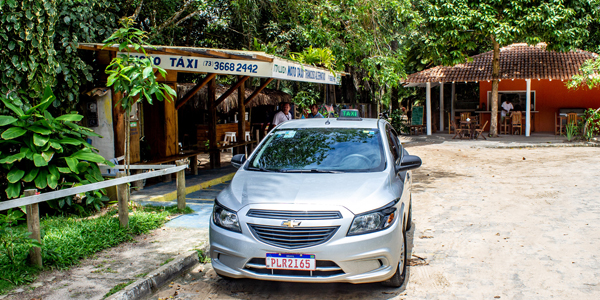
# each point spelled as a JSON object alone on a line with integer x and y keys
{"x": 400, "y": 179}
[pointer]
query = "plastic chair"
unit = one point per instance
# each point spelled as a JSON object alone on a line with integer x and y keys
{"x": 229, "y": 138}
{"x": 247, "y": 136}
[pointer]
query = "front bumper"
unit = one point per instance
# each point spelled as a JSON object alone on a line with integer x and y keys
{"x": 371, "y": 257}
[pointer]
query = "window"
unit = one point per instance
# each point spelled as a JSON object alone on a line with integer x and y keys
{"x": 395, "y": 147}
{"x": 321, "y": 149}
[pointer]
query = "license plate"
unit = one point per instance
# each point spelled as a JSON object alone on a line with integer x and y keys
{"x": 288, "y": 261}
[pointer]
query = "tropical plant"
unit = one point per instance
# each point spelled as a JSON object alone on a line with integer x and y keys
{"x": 455, "y": 27}
{"x": 40, "y": 151}
{"x": 590, "y": 75}
{"x": 318, "y": 57}
{"x": 39, "y": 41}
{"x": 303, "y": 100}
{"x": 591, "y": 127}
{"x": 11, "y": 239}
{"x": 398, "y": 121}
{"x": 133, "y": 75}
{"x": 571, "y": 131}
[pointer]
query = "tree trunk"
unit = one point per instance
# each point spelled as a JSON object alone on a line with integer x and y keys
{"x": 394, "y": 104}
{"x": 127, "y": 140}
{"x": 495, "y": 77}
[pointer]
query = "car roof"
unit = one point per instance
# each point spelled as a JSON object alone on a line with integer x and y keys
{"x": 365, "y": 123}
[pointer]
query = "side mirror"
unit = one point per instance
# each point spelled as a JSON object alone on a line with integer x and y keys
{"x": 238, "y": 160}
{"x": 409, "y": 162}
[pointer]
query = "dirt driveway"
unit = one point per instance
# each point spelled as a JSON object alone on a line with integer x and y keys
{"x": 488, "y": 224}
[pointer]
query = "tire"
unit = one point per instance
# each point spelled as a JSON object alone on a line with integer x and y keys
{"x": 409, "y": 219}
{"x": 397, "y": 280}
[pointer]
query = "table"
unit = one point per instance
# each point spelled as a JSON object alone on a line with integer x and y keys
{"x": 470, "y": 126}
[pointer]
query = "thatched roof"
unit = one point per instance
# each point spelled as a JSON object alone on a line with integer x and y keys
{"x": 266, "y": 97}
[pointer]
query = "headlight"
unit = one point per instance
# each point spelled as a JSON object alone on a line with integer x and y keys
{"x": 374, "y": 220}
{"x": 225, "y": 218}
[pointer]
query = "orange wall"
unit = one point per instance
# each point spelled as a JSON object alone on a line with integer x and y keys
{"x": 550, "y": 97}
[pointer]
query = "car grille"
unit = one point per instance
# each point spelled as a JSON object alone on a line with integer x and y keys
{"x": 292, "y": 238}
{"x": 324, "y": 268}
{"x": 294, "y": 215}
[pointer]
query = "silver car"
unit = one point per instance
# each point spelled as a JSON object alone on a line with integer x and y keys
{"x": 319, "y": 200}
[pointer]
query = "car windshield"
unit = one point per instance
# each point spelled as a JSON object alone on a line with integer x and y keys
{"x": 320, "y": 150}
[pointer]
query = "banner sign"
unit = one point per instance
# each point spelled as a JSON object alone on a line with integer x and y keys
{"x": 278, "y": 69}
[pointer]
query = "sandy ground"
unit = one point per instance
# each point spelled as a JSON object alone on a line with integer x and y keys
{"x": 488, "y": 224}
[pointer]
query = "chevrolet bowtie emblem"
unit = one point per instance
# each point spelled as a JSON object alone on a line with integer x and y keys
{"x": 290, "y": 223}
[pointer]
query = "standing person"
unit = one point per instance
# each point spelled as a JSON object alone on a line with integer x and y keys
{"x": 283, "y": 116}
{"x": 314, "y": 112}
{"x": 506, "y": 107}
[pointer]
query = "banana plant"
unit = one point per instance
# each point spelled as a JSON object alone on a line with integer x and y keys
{"x": 38, "y": 150}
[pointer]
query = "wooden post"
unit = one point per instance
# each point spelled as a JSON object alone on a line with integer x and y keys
{"x": 33, "y": 226}
{"x": 241, "y": 115}
{"x": 428, "y": 106}
{"x": 214, "y": 155}
{"x": 118, "y": 125}
{"x": 123, "y": 202}
{"x": 137, "y": 185}
{"x": 194, "y": 164}
{"x": 180, "y": 186}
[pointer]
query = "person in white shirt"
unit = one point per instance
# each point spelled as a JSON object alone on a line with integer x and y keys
{"x": 283, "y": 116}
{"x": 506, "y": 107}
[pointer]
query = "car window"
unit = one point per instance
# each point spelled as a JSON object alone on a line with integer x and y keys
{"x": 392, "y": 143}
{"x": 334, "y": 149}
{"x": 397, "y": 143}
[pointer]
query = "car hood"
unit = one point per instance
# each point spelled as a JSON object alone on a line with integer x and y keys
{"x": 358, "y": 192}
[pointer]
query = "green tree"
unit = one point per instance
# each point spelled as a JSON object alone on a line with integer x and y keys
{"x": 133, "y": 75}
{"x": 452, "y": 28}
{"x": 38, "y": 48}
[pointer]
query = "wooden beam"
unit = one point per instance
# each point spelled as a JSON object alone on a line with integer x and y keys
{"x": 241, "y": 116}
{"x": 214, "y": 155}
{"x": 257, "y": 91}
{"x": 231, "y": 90}
{"x": 193, "y": 91}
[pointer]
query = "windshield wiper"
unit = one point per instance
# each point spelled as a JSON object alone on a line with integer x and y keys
{"x": 263, "y": 169}
{"x": 310, "y": 171}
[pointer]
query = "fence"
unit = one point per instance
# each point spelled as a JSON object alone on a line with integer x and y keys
{"x": 32, "y": 197}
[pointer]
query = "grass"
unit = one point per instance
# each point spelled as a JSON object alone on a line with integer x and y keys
{"x": 202, "y": 257}
{"x": 167, "y": 261}
{"x": 67, "y": 239}
{"x": 117, "y": 288}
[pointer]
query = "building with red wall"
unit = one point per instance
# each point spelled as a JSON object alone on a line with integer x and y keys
{"x": 547, "y": 72}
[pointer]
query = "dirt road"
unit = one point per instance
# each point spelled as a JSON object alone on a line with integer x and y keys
{"x": 488, "y": 224}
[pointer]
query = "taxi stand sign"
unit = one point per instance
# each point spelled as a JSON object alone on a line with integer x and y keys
{"x": 350, "y": 115}
{"x": 278, "y": 69}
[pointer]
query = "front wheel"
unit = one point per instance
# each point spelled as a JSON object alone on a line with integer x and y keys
{"x": 398, "y": 279}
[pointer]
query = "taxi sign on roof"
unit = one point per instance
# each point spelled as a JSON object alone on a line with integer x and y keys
{"x": 350, "y": 114}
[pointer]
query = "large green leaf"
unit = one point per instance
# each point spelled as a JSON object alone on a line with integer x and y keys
{"x": 47, "y": 100}
{"x": 52, "y": 181}
{"x": 41, "y": 181}
{"x": 89, "y": 157}
{"x": 11, "y": 159}
{"x": 39, "y": 161}
{"x": 40, "y": 140}
{"x": 53, "y": 170}
{"x": 72, "y": 163}
{"x": 82, "y": 166}
{"x": 71, "y": 141}
{"x": 31, "y": 175}
{"x": 6, "y": 120}
{"x": 64, "y": 170}
{"x": 56, "y": 146}
{"x": 47, "y": 155}
{"x": 70, "y": 117}
{"x": 15, "y": 109}
{"x": 15, "y": 175}
{"x": 13, "y": 132}
{"x": 40, "y": 130}
{"x": 13, "y": 190}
